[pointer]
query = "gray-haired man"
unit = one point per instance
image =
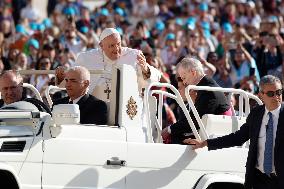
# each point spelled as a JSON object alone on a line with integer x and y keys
{"x": 11, "y": 87}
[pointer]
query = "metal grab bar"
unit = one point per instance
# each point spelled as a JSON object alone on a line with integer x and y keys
{"x": 176, "y": 96}
{"x": 39, "y": 72}
{"x": 47, "y": 95}
{"x": 243, "y": 95}
{"x": 34, "y": 90}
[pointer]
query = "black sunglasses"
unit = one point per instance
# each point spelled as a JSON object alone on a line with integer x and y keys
{"x": 273, "y": 93}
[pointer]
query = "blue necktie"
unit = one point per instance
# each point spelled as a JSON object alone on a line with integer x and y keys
{"x": 267, "y": 163}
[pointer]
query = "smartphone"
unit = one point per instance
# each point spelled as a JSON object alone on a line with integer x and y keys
{"x": 251, "y": 71}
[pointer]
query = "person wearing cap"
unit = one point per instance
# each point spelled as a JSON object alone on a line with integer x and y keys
{"x": 111, "y": 52}
{"x": 169, "y": 53}
{"x": 118, "y": 16}
{"x": 33, "y": 50}
{"x": 20, "y": 38}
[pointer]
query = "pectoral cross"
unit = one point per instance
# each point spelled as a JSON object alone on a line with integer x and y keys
{"x": 107, "y": 90}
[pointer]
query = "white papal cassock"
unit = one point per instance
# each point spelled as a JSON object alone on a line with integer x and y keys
{"x": 95, "y": 59}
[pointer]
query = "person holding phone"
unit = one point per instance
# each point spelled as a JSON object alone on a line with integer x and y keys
{"x": 243, "y": 67}
{"x": 268, "y": 55}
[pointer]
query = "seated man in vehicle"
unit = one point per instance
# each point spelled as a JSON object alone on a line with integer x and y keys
{"x": 11, "y": 87}
{"x": 207, "y": 102}
{"x": 92, "y": 110}
{"x": 177, "y": 137}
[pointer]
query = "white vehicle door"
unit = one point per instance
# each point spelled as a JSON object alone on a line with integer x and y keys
{"x": 168, "y": 166}
{"x": 82, "y": 156}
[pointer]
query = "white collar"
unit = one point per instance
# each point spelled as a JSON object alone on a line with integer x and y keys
{"x": 107, "y": 59}
{"x": 77, "y": 99}
{"x": 274, "y": 112}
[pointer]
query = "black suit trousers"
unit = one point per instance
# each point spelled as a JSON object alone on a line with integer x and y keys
{"x": 263, "y": 181}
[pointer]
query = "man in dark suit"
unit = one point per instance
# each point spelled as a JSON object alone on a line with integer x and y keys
{"x": 264, "y": 128}
{"x": 11, "y": 87}
{"x": 92, "y": 110}
{"x": 191, "y": 72}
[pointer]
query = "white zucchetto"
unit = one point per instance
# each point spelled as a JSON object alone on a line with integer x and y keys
{"x": 107, "y": 32}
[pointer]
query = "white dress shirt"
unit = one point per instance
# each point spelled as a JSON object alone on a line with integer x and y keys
{"x": 76, "y": 100}
{"x": 262, "y": 138}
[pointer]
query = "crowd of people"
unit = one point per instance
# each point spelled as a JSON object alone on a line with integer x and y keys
{"x": 234, "y": 44}
{"x": 237, "y": 41}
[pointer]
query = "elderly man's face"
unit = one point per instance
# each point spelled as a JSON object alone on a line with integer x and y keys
{"x": 111, "y": 46}
{"x": 75, "y": 86}
{"x": 187, "y": 76}
{"x": 11, "y": 89}
{"x": 181, "y": 90}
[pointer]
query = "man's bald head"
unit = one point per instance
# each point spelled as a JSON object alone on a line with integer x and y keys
{"x": 11, "y": 86}
{"x": 110, "y": 43}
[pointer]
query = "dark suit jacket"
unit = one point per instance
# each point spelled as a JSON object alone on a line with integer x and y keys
{"x": 207, "y": 102}
{"x": 1, "y": 103}
{"x": 250, "y": 131}
{"x": 92, "y": 110}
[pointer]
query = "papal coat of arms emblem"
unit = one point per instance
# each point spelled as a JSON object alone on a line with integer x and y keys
{"x": 131, "y": 108}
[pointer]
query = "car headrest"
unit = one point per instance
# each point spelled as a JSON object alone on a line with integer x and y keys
{"x": 66, "y": 114}
{"x": 21, "y": 105}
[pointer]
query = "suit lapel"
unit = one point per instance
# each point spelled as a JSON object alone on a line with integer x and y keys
{"x": 258, "y": 122}
{"x": 83, "y": 99}
{"x": 66, "y": 100}
{"x": 1, "y": 103}
{"x": 280, "y": 130}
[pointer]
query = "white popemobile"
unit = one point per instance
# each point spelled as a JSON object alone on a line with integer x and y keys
{"x": 48, "y": 150}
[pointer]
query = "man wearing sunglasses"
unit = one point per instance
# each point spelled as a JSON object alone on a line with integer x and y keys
{"x": 264, "y": 128}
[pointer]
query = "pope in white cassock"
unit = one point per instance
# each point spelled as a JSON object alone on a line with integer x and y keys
{"x": 112, "y": 53}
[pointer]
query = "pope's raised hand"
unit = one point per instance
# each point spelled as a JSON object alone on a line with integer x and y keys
{"x": 142, "y": 63}
{"x": 59, "y": 74}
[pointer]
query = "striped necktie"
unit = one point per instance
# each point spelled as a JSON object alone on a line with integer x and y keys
{"x": 267, "y": 163}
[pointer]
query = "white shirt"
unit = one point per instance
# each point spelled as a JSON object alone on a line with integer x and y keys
{"x": 30, "y": 13}
{"x": 77, "y": 99}
{"x": 262, "y": 138}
